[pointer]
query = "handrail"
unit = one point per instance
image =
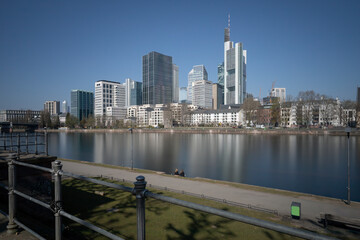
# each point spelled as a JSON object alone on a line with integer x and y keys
{"x": 20, "y": 141}
{"x": 139, "y": 191}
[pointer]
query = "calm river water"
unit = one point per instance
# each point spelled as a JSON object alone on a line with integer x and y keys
{"x": 309, "y": 164}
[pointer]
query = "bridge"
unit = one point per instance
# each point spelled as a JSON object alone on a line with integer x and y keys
{"x": 8, "y": 126}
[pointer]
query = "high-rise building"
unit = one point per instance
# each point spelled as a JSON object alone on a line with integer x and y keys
{"x": 133, "y": 92}
{"x": 53, "y": 107}
{"x": 217, "y": 95}
{"x": 202, "y": 94}
{"x": 64, "y": 107}
{"x": 234, "y": 70}
{"x": 358, "y": 95}
{"x": 175, "y": 84}
{"x": 221, "y": 74}
{"x": 82, "y": 104}
{"x": 157, "y": 78}
{"x": 197, "y": 73}
{"x": 280, "y": 93}
{"x": 183, "y": 95}
{"x": 108, "y": 94}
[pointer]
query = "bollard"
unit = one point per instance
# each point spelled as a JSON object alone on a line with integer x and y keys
{"x": 27, "y": 143}
{"x": 46, "y": 144}
{"x": 139, "y": 191}
{"x": 57, "y": 166}
{"x": 18, "y": 145}
{"x": 36, "y": 148}
{"x": 11, "y": 227}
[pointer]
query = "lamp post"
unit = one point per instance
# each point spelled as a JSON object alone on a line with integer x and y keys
{"x": 132, "y": 149}
{"x": 348, "y": 130}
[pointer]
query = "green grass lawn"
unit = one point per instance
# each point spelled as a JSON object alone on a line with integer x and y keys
{"x": 116, "y": 212}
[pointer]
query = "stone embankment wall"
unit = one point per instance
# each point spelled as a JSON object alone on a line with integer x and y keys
{"x": 200, "y": 130}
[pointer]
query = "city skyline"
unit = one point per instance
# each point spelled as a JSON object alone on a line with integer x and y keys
{"x": 47, "y": 49}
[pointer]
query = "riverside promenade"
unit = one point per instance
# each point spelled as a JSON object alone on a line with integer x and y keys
{"x": 272, "y": 199}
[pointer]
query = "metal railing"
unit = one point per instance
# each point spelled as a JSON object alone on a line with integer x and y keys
{"x": 25, "y": 143}
{"x": 140, "y": 192}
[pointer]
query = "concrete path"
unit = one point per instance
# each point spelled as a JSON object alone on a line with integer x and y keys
{"x": 311, "y": 206}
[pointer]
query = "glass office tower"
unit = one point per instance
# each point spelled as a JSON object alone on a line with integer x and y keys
{"x": 82, "y": 104}
{"x": 157, "y": 78}
{"x": 197, "y": 73}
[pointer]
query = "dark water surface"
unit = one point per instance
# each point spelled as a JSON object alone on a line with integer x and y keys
{"x": 309, "y": 164}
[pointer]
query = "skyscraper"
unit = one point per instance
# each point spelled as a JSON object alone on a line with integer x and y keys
{"x": 221, "y": 74}
{"x": 197, "y": 73}
{"x": 82, "y": 104}
{"x": 108, "y": 94}
{"x": 157, "y": 78}
{"x": 217, "y": 95}
{"x": 175, "y": 90}
{"x": 64, "y": 107}
{"x": 202, "y": 94}
{"x": 52, "y": 107}
{"x": 183, "y": 95}
{"x": 133, "y": 92}
{"x": 234, "y": 70}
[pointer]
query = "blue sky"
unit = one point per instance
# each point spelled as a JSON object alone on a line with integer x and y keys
{"x": 48, "y": 48}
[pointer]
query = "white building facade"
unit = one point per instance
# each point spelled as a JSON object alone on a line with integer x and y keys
{"x": 280, "y": 93}
{"x": 232, "y": 117}
{"x": 202, "y": 94}
{"x": 108, "y": 94}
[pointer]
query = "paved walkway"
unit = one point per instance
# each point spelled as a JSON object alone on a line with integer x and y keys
{"x": 311, "y": 206}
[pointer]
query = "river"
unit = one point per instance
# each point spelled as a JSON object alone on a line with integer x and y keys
{"x": 301, "y": 163}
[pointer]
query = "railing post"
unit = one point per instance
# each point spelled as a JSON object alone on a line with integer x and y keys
{"x": 46, "y": 143}
{"x": 57, "y": 166}
{"x": 4, "y": 141}
{"x": 139, "y": 191}
{"x": 36, "y": 148}
{"x": 27, "y": 143}
{"x": 11, "y": 142}
{"x": 11, "y": 227}
{"x": 18, "y": 145}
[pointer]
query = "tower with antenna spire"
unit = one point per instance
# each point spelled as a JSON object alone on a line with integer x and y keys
{"x": 227, "y": 31}
{"x": 234, "y": 70}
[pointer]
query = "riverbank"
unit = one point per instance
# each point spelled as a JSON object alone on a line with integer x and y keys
{"x": 218, "y": 130}
{"x": 263, "y": 198}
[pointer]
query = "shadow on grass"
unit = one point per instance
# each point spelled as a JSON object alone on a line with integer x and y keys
{"x": 201, "y": 227}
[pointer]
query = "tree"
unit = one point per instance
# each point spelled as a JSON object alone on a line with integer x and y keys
{"x": 45, "y": 120}
{"x": 90, "y": 121}
{"x": 275, "y": 113}
{"x": 83, "y": 123}
{"x": 56, "y": 123}
{"x": 71, "y": 121}
{"x": 250, "y": 108}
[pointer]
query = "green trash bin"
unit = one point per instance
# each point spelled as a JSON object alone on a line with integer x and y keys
{"x": 296, "y": 210}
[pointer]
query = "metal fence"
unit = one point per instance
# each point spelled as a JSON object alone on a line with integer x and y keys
{"x": 25, "y": 143}
{"x": 140, "y": 192}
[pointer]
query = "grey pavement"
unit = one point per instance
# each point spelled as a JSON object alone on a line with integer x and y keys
{"x": 311, "y": 206}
